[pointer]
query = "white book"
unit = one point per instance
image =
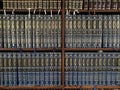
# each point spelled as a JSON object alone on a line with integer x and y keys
{"x": 34, "y": 30}
{"x": 26, "y": 31}
{"x": 13, "y": 32}
{"x": 21, "y": 33}
{"x": 38, "y": 32}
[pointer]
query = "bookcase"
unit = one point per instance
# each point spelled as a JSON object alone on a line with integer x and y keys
{"x": 79, "y": 37}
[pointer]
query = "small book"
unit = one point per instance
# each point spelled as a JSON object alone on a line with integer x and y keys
{"x": 103, "y": 4}
{"x": 114, "y": 4}
{"x": 91, "y": 4}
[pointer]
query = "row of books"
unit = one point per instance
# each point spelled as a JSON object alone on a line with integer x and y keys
{"x": 92, "y": 68}
{"x": 33, "y": 4}
{"x": 35, "y": 31}
{"x": 92, "y": 31}
{"x": 101, "y": 4}
{"x": 56, "y": 4}
{"x": 30, "y": 69}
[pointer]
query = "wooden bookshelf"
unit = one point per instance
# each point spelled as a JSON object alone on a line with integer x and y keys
{"x": 62, "y": 49}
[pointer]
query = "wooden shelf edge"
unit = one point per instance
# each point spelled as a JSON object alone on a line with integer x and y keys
{"x": 97, "y": 11}
{"x": 32, "y": 10}
{"x": 30, "y": 87}
{"x": 98, "y": 87}
{"x": 30, "y": 49}
{"x": 92, "y": 49}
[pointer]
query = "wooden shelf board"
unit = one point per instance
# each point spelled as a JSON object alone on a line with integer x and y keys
{"x": 30, "y": 87}
{"x": 32, "y": 10}
{"x": 92, "y": 49}
{"x": 30, "y": 49}
{"x": 99, "y": 87}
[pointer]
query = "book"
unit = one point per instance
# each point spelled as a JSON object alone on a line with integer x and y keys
{"x": 105, "y": 31}
{"x": 58, "y": 4}
{"x": 33, "y": 25}
{"x": 36, "y": 32}
{"x": 9, "y": 30}
{"x": 99, "y": 4}
{"x": 95, "y": 4}
{"x": 22, "y": 31}
{"x": 1, "y": 32}
{"x": 13, "y": 32}
{"x": 90, "y": 4}
{"x": 5, "y": 31}
{"x": 114, "y": 4}
{"x": 85, "y": 4}
{"x": 118, "y": 4}
{"x": 103, "y": 4}
{"x": 108, "y": 4}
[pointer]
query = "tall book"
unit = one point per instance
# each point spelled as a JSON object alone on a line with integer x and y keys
{"x": 105, "y": 31}
{"x": 103, "y": 4}
{"x": 114, "y": 4}
{"x": 59, "y": 31}
{"x": 99, "y": 31}
{"x": 90, "y": 4}
{"x": 10, "y": 27}
{"x": 13, "y": 32}
{"x": 108, "y": 4}
{"x": 18, "y": 31}
{"x": 74, "y": 31}
{"x": 78, "y": 28}
{"x": 99, "y": 4}
{"x": 23, "y": 31}
{"x": 42, "y": 31}
{"x": 110, "y": 27}
{"x": 56, "y": 25}
{"x": 5, "y": 31}
{"x": 34, "y": 30}
{"x": 118, "y": 4}
{"x": 95, "y": 4}
{"x": 114, "y": 31}
{"x": 117, "y": 29}
{"x": 85, "y": 4}
{"x": 37, "y": 29}
{"x": 1, "y": 32}
{"x": 70, "y": 30}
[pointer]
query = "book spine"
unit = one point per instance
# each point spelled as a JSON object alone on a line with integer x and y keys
{"x": 117, "y": 29}
{"x": 105, "y": 31}
{"x": 103, "y": 4}
{"x": 99, "y": 4}
{"x": 13, "y": 32}
{"x": 99, "y": 40}
{"x": 95, "y": 4}
{"x": 108, "y": 4}
{"x": 59, "y": 4}
{"x": 118, "y": 4}
{"x": 1, "y": 32}
{"x": 29, "y": 28}
{"x": 5, "y": 31}
{"x": 110, "y": 25}
{"x": 90, "y": 4}
{"x": 34, "y": 30}
{"x": 74, "y": 31}
{"x": 114, "y": 4}
{"x": 42, "y": 32}
{"x": 26, "y": 31}
{"x": 85, "y": 4}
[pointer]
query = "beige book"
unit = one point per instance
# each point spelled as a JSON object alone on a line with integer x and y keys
{"x": 59, "y": 4}
{"x": 1, "y": 62}
{"x": 4, "y": 4}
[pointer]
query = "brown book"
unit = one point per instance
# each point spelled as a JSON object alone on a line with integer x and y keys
{"x": 85, "y": 4}
{"x": 118, "y": 4}
{"x": 95, "y": 4}
{"x": 114, "y": 4}
{"x": 103, "y": 4}
{"x": 99, "y": 4}
{"x": 108, "y": 4}
{"x": 90, "y": 4}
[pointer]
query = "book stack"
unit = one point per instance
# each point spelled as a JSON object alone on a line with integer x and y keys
{"x": 92, "y": 31}
{"x": 33, "y": 4}
{"x": 91, "y": 69}
{"x": 36, "y": 31}
{"x": 30, "y": 69}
